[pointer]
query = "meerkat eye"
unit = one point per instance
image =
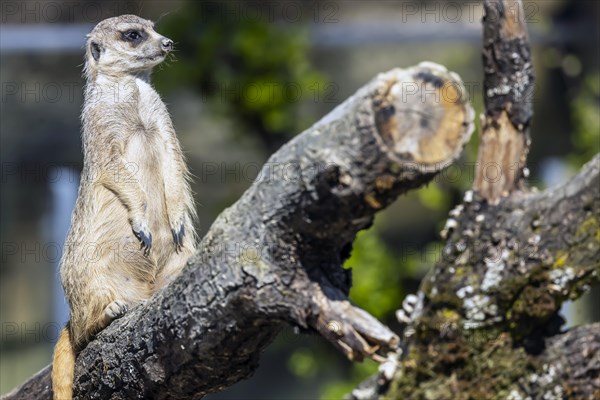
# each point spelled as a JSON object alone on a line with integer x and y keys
{"x": 132, "y": 36}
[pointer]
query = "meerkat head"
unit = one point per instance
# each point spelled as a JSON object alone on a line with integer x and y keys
{"x": 126, "y": 44}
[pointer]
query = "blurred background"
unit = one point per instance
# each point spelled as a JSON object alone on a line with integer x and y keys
{"x": 245, "y": 78}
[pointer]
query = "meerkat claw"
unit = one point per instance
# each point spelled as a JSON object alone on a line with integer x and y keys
{"x": 145, "y": 241}
{"x": 178, "y": 238}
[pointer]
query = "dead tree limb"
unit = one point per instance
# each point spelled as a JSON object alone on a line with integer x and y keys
{"x": 508, "y": 95}
{"x": 275, "y": 256}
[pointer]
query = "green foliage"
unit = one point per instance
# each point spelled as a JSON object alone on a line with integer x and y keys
{"x": 584, "y": 111}
{"x": 255, "y": 71}
{"x": 434, "y": 197}
{"x": 340, "y": 389}
{"x": 376, "y": 275}
{"x": 303, "y": 363}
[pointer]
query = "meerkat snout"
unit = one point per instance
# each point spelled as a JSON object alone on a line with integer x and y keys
{"x": 167, "y": 44}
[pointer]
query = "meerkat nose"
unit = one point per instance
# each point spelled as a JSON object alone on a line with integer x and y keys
{"x": 167, "y": 44}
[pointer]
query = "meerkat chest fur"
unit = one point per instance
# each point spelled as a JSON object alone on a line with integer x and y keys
{"x": 129, "y": 117}
{"x": 129, "y": 137}
{"x": 149, "y": 135}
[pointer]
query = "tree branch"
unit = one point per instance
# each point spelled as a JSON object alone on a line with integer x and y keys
{"x": 512, "y": 265}
{"x": 486, "y": 322}
{"x": 568, "y": 369}
{"x": 275, "y": 256}
{"x": 573, "y": 364}
{"x": 508, "y": 94}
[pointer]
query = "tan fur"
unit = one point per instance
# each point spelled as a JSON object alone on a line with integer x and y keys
{"x": 134, "y": 184}
{"x": 64, "y": 355}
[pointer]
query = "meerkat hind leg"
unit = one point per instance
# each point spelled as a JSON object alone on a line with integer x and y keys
{"x": 115, "y": 310}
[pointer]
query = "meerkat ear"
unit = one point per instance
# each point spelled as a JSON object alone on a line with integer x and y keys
{"x": 95, "y": 50}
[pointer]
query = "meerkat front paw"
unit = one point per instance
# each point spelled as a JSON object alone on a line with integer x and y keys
{"x": 142, "y": 232}
{"x": 115, "y": 309}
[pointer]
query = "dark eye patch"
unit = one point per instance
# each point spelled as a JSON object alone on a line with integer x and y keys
{"x": 134, "y": 36}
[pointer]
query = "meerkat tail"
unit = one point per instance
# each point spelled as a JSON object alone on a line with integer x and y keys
{"x": 63, "y": 367}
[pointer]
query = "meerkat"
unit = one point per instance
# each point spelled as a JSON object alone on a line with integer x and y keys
{"x": 132, "y": 228}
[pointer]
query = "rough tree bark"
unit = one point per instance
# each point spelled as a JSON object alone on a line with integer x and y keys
{"x": 276, "y": 255}
{"x": 485, "y": 323}
{"x": 508, "y": 97}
